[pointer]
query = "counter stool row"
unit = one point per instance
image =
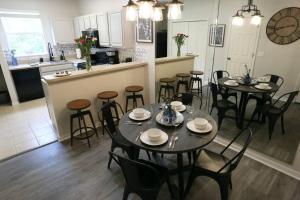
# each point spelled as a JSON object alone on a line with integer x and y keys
{"x": 81, "y": 105}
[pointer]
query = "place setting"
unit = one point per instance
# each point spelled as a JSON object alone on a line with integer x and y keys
{"x": 199, "y": 126}
{"x": 263, "y": 86}
{"x": 153, "y": 137}
{"x": 139, "y": 114}
{"x": 232, "y": 83}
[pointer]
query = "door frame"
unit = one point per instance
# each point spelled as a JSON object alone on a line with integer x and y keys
{"x": 255, "y": 46}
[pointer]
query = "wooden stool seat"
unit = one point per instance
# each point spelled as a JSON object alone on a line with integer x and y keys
{"x": 79, "y": 104}
{"x": 198, "y": 73}
{"x": 134, "y": 88}
{"x": 167, "y": 80}
{"x": 182, "y": 75}
{"x": 106, "y": 95}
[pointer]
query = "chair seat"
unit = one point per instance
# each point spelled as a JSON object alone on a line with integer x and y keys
{"x": 196, "y": 73}
{"x": 107, "y": 95}
{"x": 167, "y": 80}
{"x": 182, "y": 75}
{"x": 226, "y": 104}
{"x": 134, "y": 88}
{"x": 269, "y": 110}
{"x": 212, "y": 161}
{"x": 79, "y": 104}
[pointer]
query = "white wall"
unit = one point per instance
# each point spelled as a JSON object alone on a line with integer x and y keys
{"x": 100, "y": 6}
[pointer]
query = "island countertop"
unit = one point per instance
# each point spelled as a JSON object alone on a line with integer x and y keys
{"x": 96, "y": 70}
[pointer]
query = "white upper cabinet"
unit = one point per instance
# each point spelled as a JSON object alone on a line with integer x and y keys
{"x": 77, "y": 28}
{"x": 116, "y": 29}
{"x": 63, "y": 31}
{"x": 87, "y": 22}
{"x": 103, "y": 30}
{"x": 81, "y": 24}
{"x": 93, "y": 21}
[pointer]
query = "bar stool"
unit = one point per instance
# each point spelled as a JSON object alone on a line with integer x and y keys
{"x": 195, "y": 78}
{"x": 134, "y": 89}
{"x": 167, "y": 85}
{"x": 79, "y": 105}
{"x": 182, "y": 80}
{"x": 105, "y": 97}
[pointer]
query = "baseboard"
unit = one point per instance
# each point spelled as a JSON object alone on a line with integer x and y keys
{"x": 262, "y": 158}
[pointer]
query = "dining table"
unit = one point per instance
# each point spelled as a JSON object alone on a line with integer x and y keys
{"x": 245, "y": 90}
{"x": 187, "y": 141}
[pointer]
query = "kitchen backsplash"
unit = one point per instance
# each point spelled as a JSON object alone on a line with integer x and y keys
{"x": 126, "y": 53}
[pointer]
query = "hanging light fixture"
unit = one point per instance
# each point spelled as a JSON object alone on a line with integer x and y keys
{"x": 174, "y": 9}
{"x": 157, "y": 12}
{"x": 238, "y": 18}
{"x": 146, "y": 9}
{"x": 131, "y": 11}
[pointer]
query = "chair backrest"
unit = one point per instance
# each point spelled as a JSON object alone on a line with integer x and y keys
{"x": 278, "y": 80}
{"x": 234, "y": 161}
{"x": 219, "y": 74}
{"x": 108, "y": 117}
{"x": 214, "y": 92}
{"x": 137, "y": 175}
{"x": 187, "y": 98}
{"x": 290, "y": 98}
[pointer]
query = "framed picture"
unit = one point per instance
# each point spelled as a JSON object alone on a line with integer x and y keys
{"x": 216, "y": 35}
{"x": 144, "y": 31}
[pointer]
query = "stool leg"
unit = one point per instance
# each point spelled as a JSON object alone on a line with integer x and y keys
{"x": 159, "y": 95}
{"x": 134, "y": 101}
{"x": 177, "y": 88}
{"x": 165, "y": 92}
{"x": 201, "y": 85}
{"x": 186, "y": 86}
{"x": 169, "y": 94}
{"x": 142, "y": 100}
{"x": 126, "y": 106}
{"x": 71, "y": 128}
{"x": 86, "y": 132}
{"x": 92, "y": 120}
{"x": 173, "y": 89}
{"x": 191, "y": 81}
{"x": 79, "y": 124}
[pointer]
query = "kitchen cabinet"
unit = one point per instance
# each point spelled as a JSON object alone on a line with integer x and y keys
{"x": 52, "y": 69}
{"x": 63, "y": 31}
{"x": 81, "y": 24}
{"x": 102, "y": 21}
{"x": 76, "y": 28}
{"x": 93, "y": 21}
{"x": 87, "y": 22}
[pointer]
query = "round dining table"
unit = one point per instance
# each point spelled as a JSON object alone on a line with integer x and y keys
{"x": 245, "y": 90}
{"x": 188, "y": 142}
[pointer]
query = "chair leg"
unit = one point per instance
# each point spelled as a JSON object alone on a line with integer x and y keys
{"x": 220, "y": 118}
{"x": 189, "y": 184}
{"x": 126, "y": 106}
{"x": 148, "y": 154}
{"x": 110, "y": 157}
{"x": 224, "y": 190}
{"x": 282, "y": 124}
{"x": 189, "y": 157}
{"x": 272, "y": 122}
{"x": 125, "y": 193}
{"x": 211, "y": 110}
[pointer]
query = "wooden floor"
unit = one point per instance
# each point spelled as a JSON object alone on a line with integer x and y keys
{"x": 59, "y": 172}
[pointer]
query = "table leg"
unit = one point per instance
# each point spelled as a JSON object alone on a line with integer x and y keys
{"x": 242, "y": 109}
{"x": 180, "y": 176}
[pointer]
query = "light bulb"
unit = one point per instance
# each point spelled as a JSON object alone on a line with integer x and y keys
{"x": 157, "y": 14}
{"x": 237, "y": 21}
{"x": 256, "y": 20}
{"x": 131, "y": 13}
{"x": 174, "y": 11}
{"x": 145, "y": 9}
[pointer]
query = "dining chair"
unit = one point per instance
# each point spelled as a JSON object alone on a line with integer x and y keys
{"x": 118, "y": 141}
{"x": 226, "y": 93}
{"x": 218, "y": 166}
{"x": 142, "y": 177}
{"x": 275, "y": 111}
{"x": 223, "y": 105}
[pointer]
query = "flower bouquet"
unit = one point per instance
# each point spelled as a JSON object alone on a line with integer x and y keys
{"x": 85, "y": 44}
{"x": 179, "y": 39}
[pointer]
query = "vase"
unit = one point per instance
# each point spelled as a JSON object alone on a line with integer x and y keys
{"x": 88, "y": 63}
{"x": 178, "y": 50}
{"x": 169, "y": 115}
{"x": 247, "y": 79}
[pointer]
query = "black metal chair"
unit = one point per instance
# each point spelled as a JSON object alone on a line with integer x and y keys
{"x": 143, "y": 178}
{"x": 223, "y": 105}
{"x": 116, "y": 138}
{"x": 226, "y": 93}
{"x": 218, "y": 166}
{"x": 275, "y": 111}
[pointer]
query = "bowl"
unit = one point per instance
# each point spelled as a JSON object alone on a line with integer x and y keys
{"x": 138, "y": 112}
{"x": 176, "y": 105}
{"x": 264, "y": 85}
{"x": 154, "y": 134}
{"x": 200, "y": 123}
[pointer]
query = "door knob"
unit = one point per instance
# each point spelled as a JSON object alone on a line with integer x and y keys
{"x": 228, "y": 58}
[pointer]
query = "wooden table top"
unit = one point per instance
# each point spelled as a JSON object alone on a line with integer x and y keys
{"x": 186, "y": 142}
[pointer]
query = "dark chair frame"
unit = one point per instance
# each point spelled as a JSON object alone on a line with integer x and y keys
{"x": 223, "y": 175}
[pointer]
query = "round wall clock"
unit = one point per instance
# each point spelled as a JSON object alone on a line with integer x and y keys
{"x": 284, "y": 27}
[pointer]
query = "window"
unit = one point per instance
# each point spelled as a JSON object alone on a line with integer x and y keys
{"x": 25, "y": 35}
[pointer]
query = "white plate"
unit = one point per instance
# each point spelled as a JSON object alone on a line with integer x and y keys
{"x": 147, "y": 115}
{"x": 263, "y": 88}
{"x": 145, "y": 139}
{"x": 263, "y": 79}
{"x": 181, "y": 109}
{"x": 159, "y": 119}
{"x": 231, "y": 84}
{"x": 191, "y": 126}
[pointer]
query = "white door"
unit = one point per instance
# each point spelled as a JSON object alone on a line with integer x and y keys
{"x": 242, "y": 48}
{"x": 115, "y": 29}
{"x": 103, "y": 29}
{"x": 179, "y": 27}
{"x": 197, "y": 42}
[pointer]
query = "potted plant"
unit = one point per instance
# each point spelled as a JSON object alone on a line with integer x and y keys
{"x": 85, "y": 44}
{"x": 179, "y": 39}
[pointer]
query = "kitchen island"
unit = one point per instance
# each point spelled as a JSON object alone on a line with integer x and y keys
{"x": 86, "y": 85}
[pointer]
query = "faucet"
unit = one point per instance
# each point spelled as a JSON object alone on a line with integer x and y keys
{"x": 51, "y": 56}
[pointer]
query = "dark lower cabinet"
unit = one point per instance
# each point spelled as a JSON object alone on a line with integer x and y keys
{"x": 28, "y": 84}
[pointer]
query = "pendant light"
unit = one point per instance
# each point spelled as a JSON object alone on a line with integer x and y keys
{"x": 157, "y": 12}
{"x": 145, "y": 8}
{"x": 131, "y": 11}
{"x": 256, "y": 18}
{"x": 174, "y": 9}
{"x": 238, "y": 18}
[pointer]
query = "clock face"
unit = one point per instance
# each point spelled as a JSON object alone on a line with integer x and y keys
{"x": 284, "y": 27}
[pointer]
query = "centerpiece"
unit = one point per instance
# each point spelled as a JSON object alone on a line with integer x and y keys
{"x": 179, "y": 39}
{"x": 85, "y": 44}
{"x": 247, "y": 78}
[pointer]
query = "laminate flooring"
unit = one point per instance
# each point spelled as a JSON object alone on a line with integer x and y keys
{"x": 58, "y": 171}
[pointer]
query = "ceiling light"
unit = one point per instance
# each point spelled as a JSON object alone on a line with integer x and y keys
{"x": 256, "y": 19}
{"x": 174, "y": 9}
{"x": 131, "y": 11}
{"x": 238, "y": 19}
{"x": 157, "y": 12}
{"x": 145, "y": 8}
{"x": 249, "y": 8}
